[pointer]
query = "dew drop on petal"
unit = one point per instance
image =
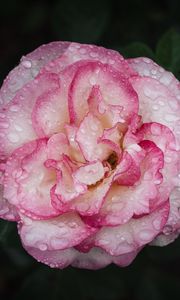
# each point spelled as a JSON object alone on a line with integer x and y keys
{"x": 14, "y": 108}
{"x": 27, "y": 64}
{"x": 145, "y": 235}
{"x": 43, "y": 247}
{"x": 13, "y": 137}
{"x": 167, "y": 229}
{"x": 157, "y": 224}
{"x": 155, "y": 107}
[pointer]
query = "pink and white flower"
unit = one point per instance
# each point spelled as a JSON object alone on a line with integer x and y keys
{"x": 89, "y": 157}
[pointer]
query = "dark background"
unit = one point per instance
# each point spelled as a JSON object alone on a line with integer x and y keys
{"x": 136, "y": 28}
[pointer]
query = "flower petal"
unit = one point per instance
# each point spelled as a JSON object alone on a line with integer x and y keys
{"x": 90, "y": 173}
{"x": 158, "y": 104}
{"x": 50, "y": 113}
{"x": 15, "y": 118}
{"x": 57, "y": 233}
{"x": 28, "y": 182}
{"x": 90, "y": 130}
{"x": 134, "y": 234}
{"x": 114, "y": 87}
{"x": 29, "y": 68}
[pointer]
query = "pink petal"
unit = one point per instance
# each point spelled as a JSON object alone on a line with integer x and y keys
{"x": 75, "y": 151}
{"x": 90, "y": 173}
{"x": 126, "y": 238}
{"x": 90, "y": 203}
{"x": 66, "y": 187}
{"x": 57, "y": 145}
{"x": 15, "y": 118}
{"x": 123, "y": 202}
{"x": 164, "y": 139}
{"x": 87, "y": 137}
{"x": 126, "y": 259}
{"x": 76, "y": 52}
{"x": 158, "y": 104}
{"x": 50, "y": 113}
{"x": 29, "y": 68}
{"x": 28, "y": 182}
{"x": 93, "y": 260}
{"x": 57, "y": 233}
{"x": 108, "y": 114}
{"x": 114, "y": 87}
{"x": 54, "y": 258}
{"x": 112, "y": 138}
{"x": 146, "y": 67}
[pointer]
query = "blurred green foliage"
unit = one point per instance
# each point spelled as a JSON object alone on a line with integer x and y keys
{"x": 135, "y": 28}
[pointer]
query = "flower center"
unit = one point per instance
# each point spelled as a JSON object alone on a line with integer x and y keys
{"x": 113, "y": 160}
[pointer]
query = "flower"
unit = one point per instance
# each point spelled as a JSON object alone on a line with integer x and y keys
{"x": 89, "y": 158}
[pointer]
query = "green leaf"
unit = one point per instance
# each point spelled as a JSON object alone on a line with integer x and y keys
{"x": 136, "y": 49}
{"x": 168, "y": 51}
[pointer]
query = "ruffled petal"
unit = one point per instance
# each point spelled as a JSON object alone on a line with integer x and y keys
{"x": 87, "y": 137}
{"x": 75, "y": 52}
{"x": 114, "y": 86}
{"x": 158, "y": 104}
{"x": 50, "y": 113}
{"x": 29, "y": 68}
{"x": 122, "y": 203}
{"x": 126, "y": 238}
{"x": 163, "y": 137}
{"x": 57, "y": 233}
{"x": 15, "y": 118}
{"x": 54, "y": 258}
{"x": 145, "y": 67}
{"x": 67, "y": 187}
{"x": 28, "y": 182}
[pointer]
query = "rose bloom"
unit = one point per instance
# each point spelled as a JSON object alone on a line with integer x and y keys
{"x": 89, "y": 157}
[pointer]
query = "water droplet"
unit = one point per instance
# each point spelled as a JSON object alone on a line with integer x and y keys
{"x": 93, "y": 54}
{"x": 92, "y": 80}
{"x": 17, "y": 127}
{"x": 145, "y": 235}
{"x": 154, "y": 71}
{"x": 14, "y": 108}
{"x": 146, "y": 60}
{"x": 27, "y": 64}
{"x": 161, "y": 102}
{"x": 111, "y": 61}
{"x": 13, "y": 137}
{"x": 157, "y": 224}
{"x": 43, "y": 247}
{"x": 103, "y": 242}
{"x": 59, "y": 243}
{"x": 155, "y": 107}
{"x": 94, "y": 126}
{"x": 17, "y": 173}
{"x": 167, "y": 229}
{"x": 73, "y": 224}
{"x": 82, "y": 50}
{"x": 167, "y": 159}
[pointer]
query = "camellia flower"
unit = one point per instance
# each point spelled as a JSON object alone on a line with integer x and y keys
{"x": 89, "y": 157}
